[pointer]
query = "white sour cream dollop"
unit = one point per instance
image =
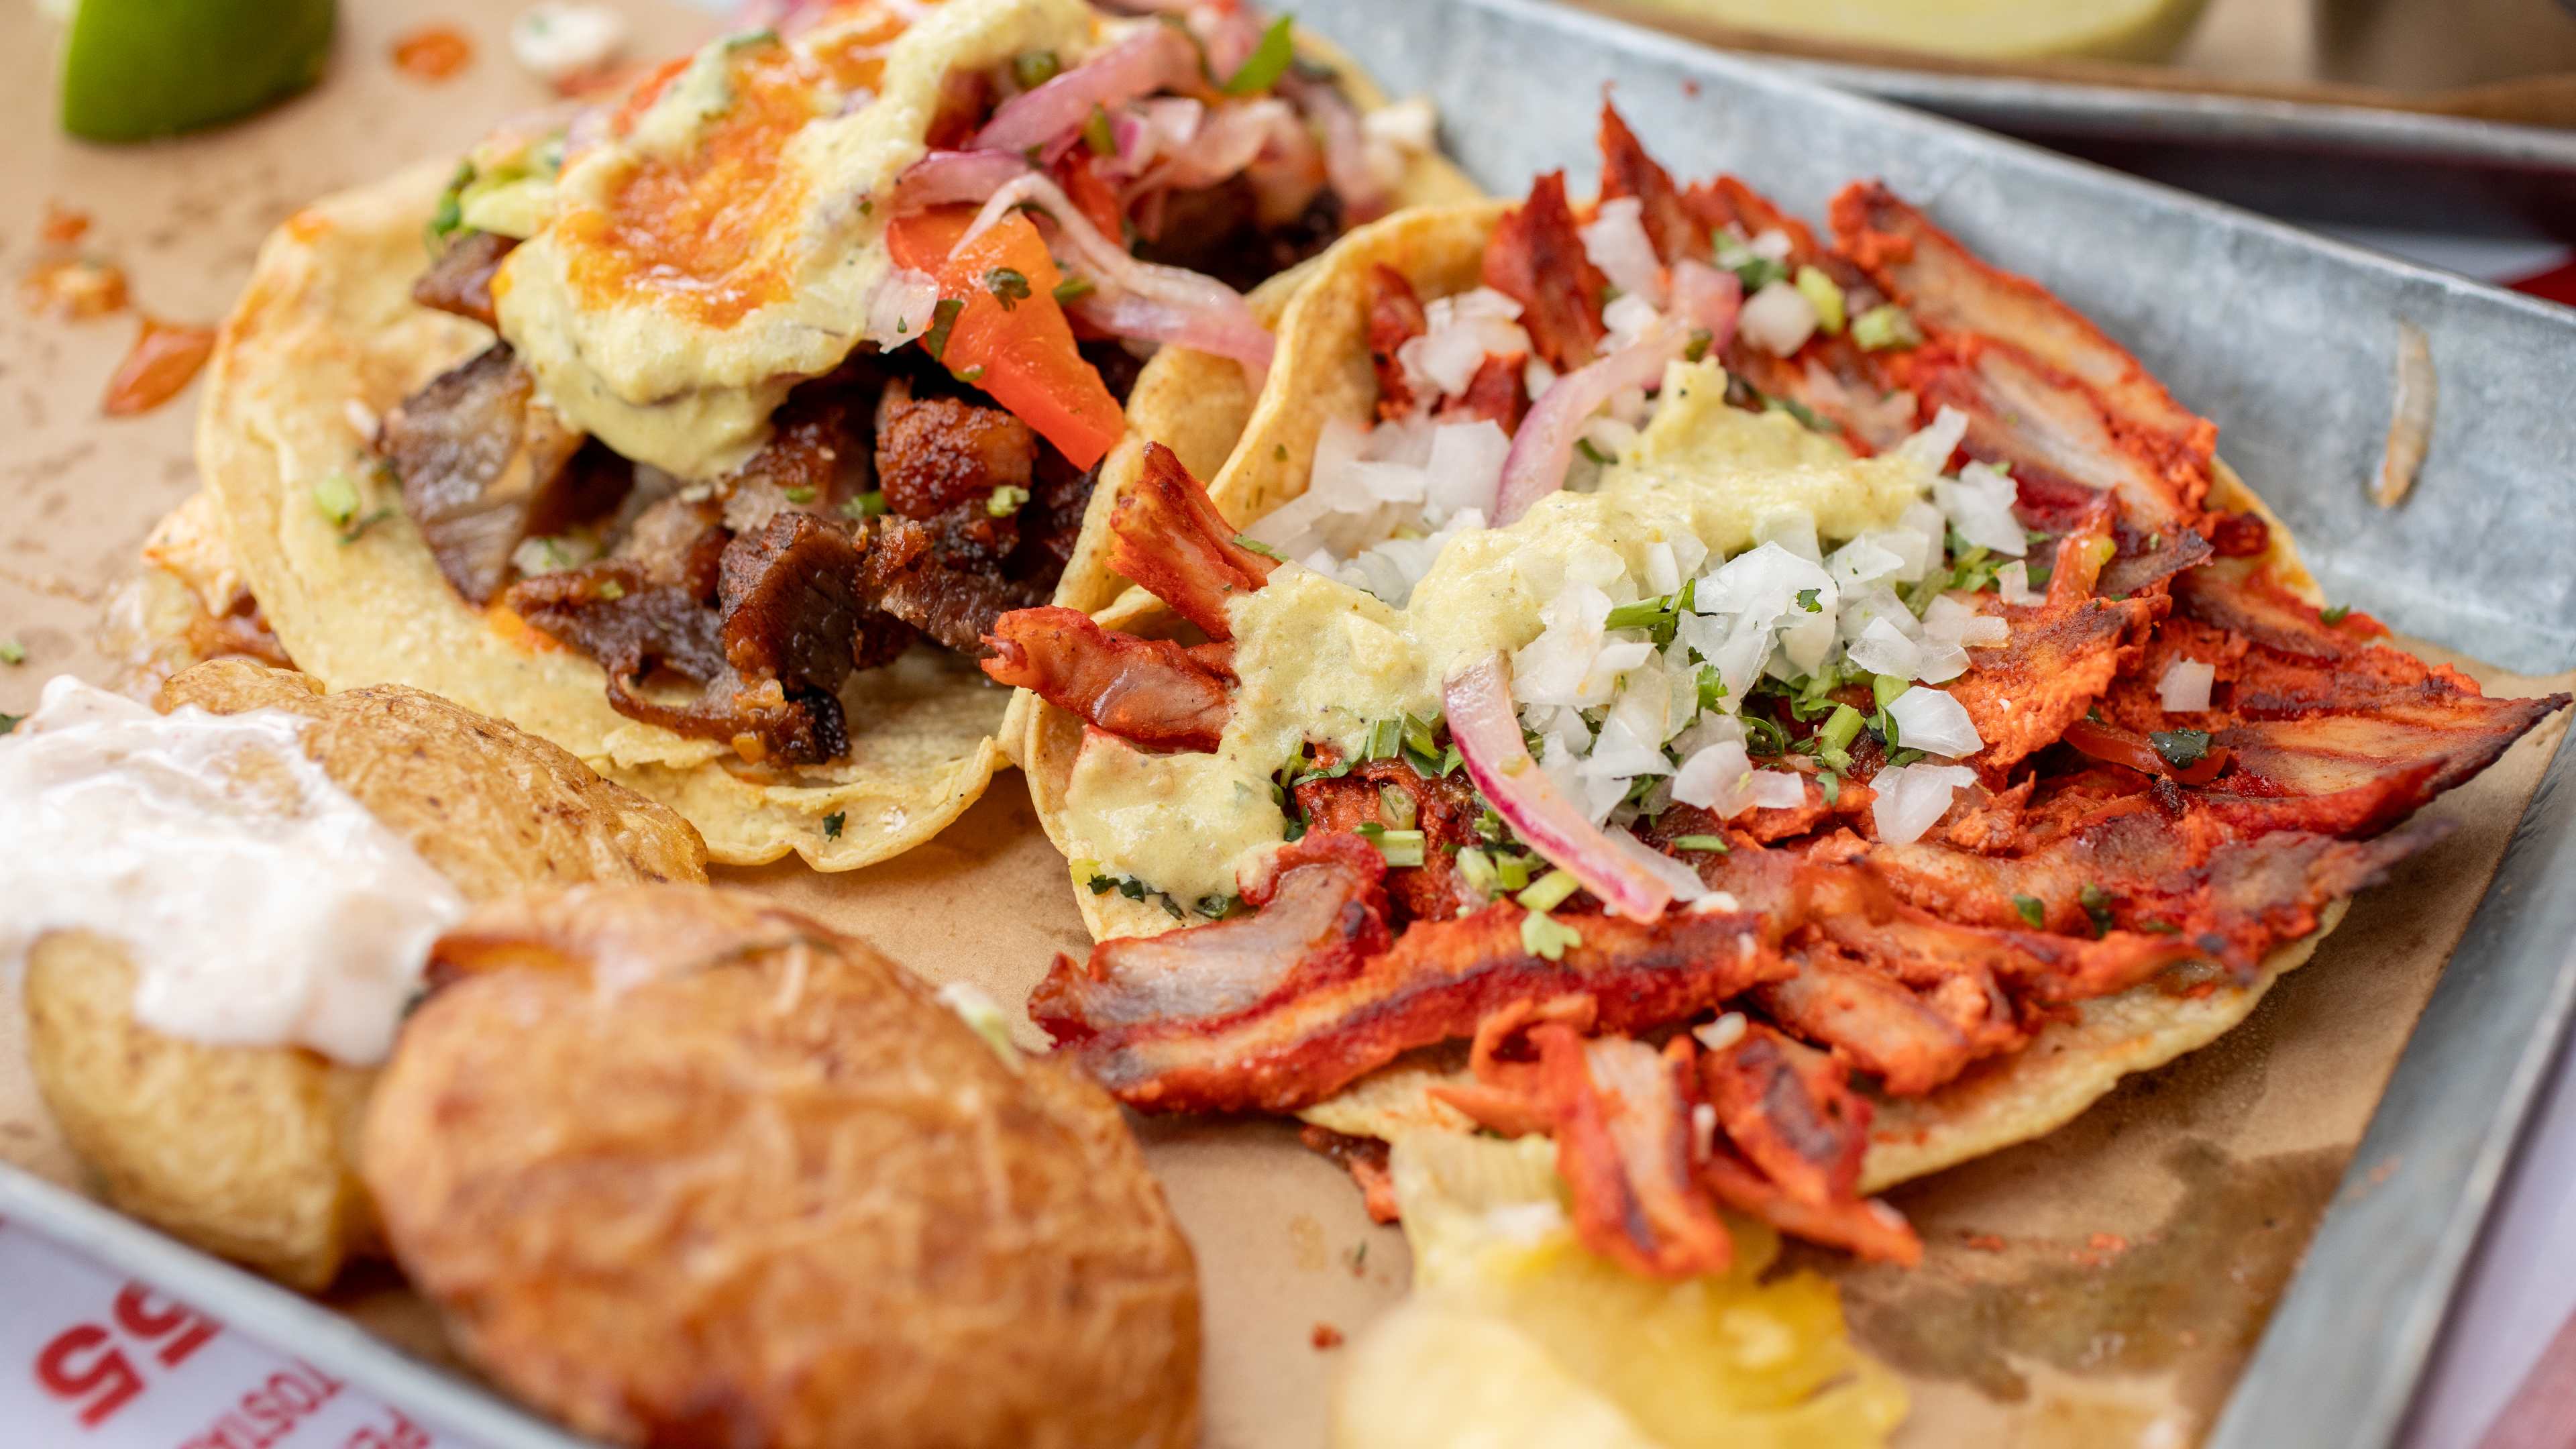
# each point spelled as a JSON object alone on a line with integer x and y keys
{"x": 261, "y": 904}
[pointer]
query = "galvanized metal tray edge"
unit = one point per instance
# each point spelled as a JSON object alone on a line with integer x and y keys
{"x": 2019, "y": 103}
{"x": 2308, "y": 1383}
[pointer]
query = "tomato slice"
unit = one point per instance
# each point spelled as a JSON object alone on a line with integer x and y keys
{"x": 2113, "y": 745}
{"x": 1019, "y": 349}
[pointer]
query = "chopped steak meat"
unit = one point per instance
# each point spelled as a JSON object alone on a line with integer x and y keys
{"x": 485, "y": 465}
{"x": 460, "y": 280}
{"x": 935, "y": 453}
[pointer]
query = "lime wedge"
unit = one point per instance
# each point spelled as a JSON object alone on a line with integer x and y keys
{"x": 2144, "y": 30}
{"x": 135, "y": 69}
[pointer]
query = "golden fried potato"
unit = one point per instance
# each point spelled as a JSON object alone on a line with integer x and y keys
{"x": 250, "y": 1151}
{"x": 681, "y": 1167}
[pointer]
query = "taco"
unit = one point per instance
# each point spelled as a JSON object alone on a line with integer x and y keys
{"x": 731, "y": 407}
{"x": 1780, "y": 717}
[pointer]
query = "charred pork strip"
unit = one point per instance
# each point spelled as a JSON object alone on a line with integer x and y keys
{"x": 1791, "y": 1109}
{"x": 1437, "y": 982}
{"x": 2058, "y": 658}
{"x": 1948, "y": 289}
{"x": 1444, "y": 810}
{"x": 1536, "y": 258}
{"x": 1867, "y": 1230}
{"x": 1627, "y": 171}
{"x": 1622, "y": 1117}
{"x": 1395, "y": 318}
{"x": 1170, "y": 538}
{"x": 1321, "y": 916}
{"x": 1148, "y": 692}
{"x": 485, "y": 465}
{"x": 1869, "y": 1020}
{"x": 460, "y": 279}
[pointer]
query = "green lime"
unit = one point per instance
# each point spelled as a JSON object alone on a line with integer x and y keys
{"x": 135, "y": 69}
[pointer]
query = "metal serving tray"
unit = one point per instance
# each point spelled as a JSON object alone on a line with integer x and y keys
{"x": 2289, "y": 342}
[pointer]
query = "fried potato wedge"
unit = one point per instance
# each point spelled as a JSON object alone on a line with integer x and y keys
{"x": 249, "y": 1152}
{"x": 681, "y": 1167}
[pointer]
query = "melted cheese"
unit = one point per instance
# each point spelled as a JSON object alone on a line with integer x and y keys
{"x": 260, "y": 904}
{"x": 719, "y": 242}
{"x": 1320, "y": 660}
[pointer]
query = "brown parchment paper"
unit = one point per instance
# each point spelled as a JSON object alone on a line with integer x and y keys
{"x": 2079, "y": 1291}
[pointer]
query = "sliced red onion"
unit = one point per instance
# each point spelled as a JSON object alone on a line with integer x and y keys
{"x": 1544, "y": 446}
{"x": 1228, "y": 140}
{"x": 1346, "y": 152}
{"x": 1149, "y": 59}
{"x": 1486, "y": 727}
{"x": 1709, "y": 299}
{"x": 948, "y": 178}
{"x": 900, "y": 307}
{"x": 1135, "y": 298}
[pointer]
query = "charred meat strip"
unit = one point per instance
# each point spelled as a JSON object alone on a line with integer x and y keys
{"x": 1627, "y": 171}
{"x": 1871, "y": 1231}
{"x": 1949, "y": 290}
{"x": 1149, "y": 692}
{"x": 485, "y": 465}
{"x": 1869, "y": 1020}
{"x": 460, "y": 279}
{"x": 1442, "y": 977}
{"x": 1536, "y": 258}
{"x": 1170, "y": 538}
{"x": 935, "y": 453}
{"x": 1444, "y": 810}
{"x": 1791, "y": 1109}
{"x": 1395, "y": 318}
{"x": 1622, "y": 1117}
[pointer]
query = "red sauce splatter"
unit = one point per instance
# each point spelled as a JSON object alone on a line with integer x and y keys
{"x": 433, "y": 52}
{"x": 74, "y": 288}
{"x": 62, "y": 226}
{"x": 163, "y": 359}
{"x": 1326, "y": 1336}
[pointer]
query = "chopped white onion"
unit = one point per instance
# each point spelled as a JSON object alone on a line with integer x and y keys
{"x": 2185, "y": 686}
{"x": 1953, "y": 622}
{"x": 1883, "y": 648}
{"x": 2012, "y": 585}
{"x": 900, "y": 307}
{"x": 1776, "y": 789}
{"x": 1408, "y": 125}
{"x": 1722, "y": 1033}
{"x": 1931, "y": 721}
{"x": 1930, "y": 449}
{"x": 1714, "y": 773}
{"x": 1979, "y": 504}
{"x": 1908, "y": 800}
{"x": 1487, "y": 730}
{"x": 1616, "y": 242}
{"x": 1778, "y": 319}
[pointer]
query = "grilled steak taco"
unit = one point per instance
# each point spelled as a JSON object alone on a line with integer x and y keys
{"x": 728, "y": 411}
{"x": 1780, "y": 717}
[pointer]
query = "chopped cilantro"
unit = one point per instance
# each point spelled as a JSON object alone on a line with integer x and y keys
{"x": 1247, "y": 541}
{"x": 1034, "y": 68}
{"x": 1700, "y": 341}
{"x": 1268, "y": 62}
{"x": 2033, "y": 910}
{"x": 2097, "y": 906}
{"x": 1807, "y": 601}
{"x": 611, "y": 589}
{"x": 336, "y": 498}
{"x": 1830, "y": 784}
{"x": 1097, "y": 136}
{"x": 799, "y": 494}
{"x": 1716, "y": 843}
{"x": 1009, "y": 286}
{"x": 1590, "y": 450}
{"x": 1071, "y": 289}
{"x": 1712, "y": 687}
{"x": 971, "y": 374}
{"x": 1824, "y": 296}
{"x": 9, "y": 722}
{"x": 12, "y": 652}
{"x": 1546, "y": 937}
{"x": 942, "y": 318}
{"x": 1807, "y": 417}
{"x": 2335, "y": 615}
{"x": 2161, "y": 928}
{"x": 2182, "y": 749}
{"x": 866, "y": 505}
{"x": 832, "y": 824}
{"x": 1006, "y": 500}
